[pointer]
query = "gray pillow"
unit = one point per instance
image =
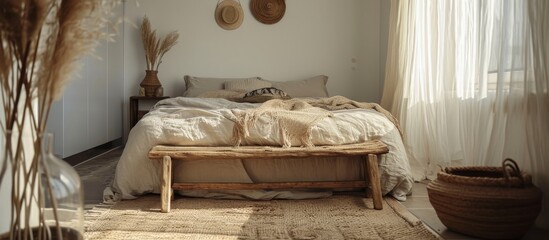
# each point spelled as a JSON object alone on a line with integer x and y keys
{"x": 310, "y": 87}
{"x": 227, "y": 94}
{"x": 247, "y": 84}
{"x": 198, "y": 85}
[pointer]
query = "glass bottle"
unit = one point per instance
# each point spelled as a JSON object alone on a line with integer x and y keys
{"x": 63, "y": 204}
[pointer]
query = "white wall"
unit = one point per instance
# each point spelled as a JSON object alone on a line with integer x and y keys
{"x": 337, "y": 38}
{"x": 383, "y": 40}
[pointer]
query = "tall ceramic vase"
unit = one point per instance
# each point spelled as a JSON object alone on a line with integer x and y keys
{"x": 63, "y": 196}
{"x": 150, "y": 83}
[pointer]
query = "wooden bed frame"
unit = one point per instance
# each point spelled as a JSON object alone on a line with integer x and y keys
{"x": 370, "y": 151}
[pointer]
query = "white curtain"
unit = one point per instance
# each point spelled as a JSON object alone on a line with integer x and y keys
{"x": 468, "y": 80}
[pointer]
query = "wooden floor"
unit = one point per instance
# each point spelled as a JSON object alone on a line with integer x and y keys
{"x": 97, "y": 171}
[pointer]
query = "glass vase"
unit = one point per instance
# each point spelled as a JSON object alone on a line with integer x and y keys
{"x": 63, "y": 202}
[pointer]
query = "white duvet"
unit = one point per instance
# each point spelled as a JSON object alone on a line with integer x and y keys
{"x": 208, "y": 122}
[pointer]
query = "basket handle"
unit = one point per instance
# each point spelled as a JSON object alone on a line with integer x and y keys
{"x": 510, "y": 169}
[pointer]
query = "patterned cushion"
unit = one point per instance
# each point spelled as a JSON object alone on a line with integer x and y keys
{"x": 269, "y": 91}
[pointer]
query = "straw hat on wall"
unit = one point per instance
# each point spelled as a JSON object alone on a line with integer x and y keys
{"x": 268, "y": 11}
{"x": 229, "y": 14}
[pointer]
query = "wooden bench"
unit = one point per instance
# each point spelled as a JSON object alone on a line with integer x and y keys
{"x": 370, "y": 151}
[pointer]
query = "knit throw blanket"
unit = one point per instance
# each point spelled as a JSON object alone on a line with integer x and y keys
{"x": 339, "y": 103}
{"x": 296, "y": 117}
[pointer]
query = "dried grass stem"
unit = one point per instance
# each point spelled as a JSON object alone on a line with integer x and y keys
{"x": 155, "y": 47}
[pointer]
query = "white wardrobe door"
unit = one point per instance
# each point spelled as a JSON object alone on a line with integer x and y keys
{"x": 91, "y": 110}
{"x": 55, "y": 126}
{"x": 97, "y": 95}
{"x": 75, "y": 113}
{"x": 116, "y": 82}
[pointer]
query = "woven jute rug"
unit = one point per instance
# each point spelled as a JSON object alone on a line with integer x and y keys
{"x": 337, "y": 217}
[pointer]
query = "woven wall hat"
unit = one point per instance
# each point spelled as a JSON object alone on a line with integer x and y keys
{"x": 229, "y": 14}
{"x": 268, "y": 11}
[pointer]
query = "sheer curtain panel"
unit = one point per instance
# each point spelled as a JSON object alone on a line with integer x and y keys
{"x": 468, "y": 80}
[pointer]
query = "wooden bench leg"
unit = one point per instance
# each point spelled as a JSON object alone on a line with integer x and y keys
{"x": 166, "y": 190}
{"x": 371, "y": 168}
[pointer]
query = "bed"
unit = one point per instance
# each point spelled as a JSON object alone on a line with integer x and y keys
{"x": 199, "y": 119}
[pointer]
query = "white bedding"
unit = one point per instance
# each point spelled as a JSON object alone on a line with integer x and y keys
{"x": 207, "y": 122}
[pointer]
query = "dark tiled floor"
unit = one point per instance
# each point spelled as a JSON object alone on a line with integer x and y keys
{"x": 98, "y": 172}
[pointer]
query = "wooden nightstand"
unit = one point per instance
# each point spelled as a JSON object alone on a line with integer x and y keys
{"x": 135, "y": 112}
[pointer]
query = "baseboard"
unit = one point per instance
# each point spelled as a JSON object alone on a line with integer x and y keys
{"x": 93, "y": 152}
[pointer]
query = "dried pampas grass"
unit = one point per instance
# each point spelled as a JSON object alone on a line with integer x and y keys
{"x": 155, "y": 47}
{"x": 40, "y": 44}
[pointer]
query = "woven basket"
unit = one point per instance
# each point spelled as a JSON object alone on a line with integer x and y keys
{"x": 486, "y": 202}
